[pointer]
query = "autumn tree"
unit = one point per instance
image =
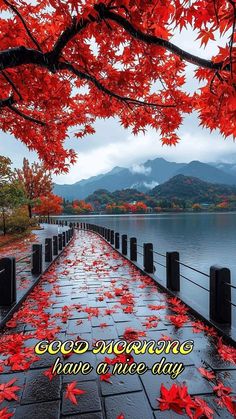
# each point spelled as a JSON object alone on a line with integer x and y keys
{"x": 49, "y": 205}
{"x": 5, "y": 170}
{"x": 65, "y": 63}
{"x": 11, "y": 193}
{"x": 36, "y": 180}
{"x": 82, "y": 207}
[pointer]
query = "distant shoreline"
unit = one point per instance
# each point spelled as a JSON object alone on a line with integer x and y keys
{"x": 143, "y": 215}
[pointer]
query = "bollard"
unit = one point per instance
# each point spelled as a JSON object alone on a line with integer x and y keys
{"x": 124, "y": 244}
{"x": 133, "y": 249}
{"x": 112, "y": 237}
{"x": 108, "y": 235}
{"x": 7, "y": 281}
{"x": 67, "y": 236}
{"x": 220, "y": 295}
{"x": 55, "y": 245}
{"x": 148, "y": 258}
{"x": 37, "y": 259}
{"x": 117, "y": 240}
{"x": 60, "y": 245}
{"x": 48, "y": 250}
{"x": 63, "y": 239}
{"x": 172, "y": 271}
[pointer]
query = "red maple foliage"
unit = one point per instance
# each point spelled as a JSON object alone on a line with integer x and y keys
{"x": 36, "y": 180}
{"x": 49, "y": 205}
{"x": 65, "y": 64}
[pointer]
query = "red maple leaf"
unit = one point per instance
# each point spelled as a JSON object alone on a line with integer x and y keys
{"x": 4, "y": 414}
{"x": 7, "y": 391}
{"x": 178, "y": 321}
{"x": 202, "y": 409}
{"x": 120, "y": 416}
{"x": 106, "y": 377}
{"x": 170, "y": 399}
{"x": 222, "y": 390}
{"x": 210, "y": 375}
{"x": 230, "y": 404}
{"x": 72, "y": 392}
{"x": 48, "y": 373}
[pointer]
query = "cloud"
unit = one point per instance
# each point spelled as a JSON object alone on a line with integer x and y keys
{"x": 150, "y": 185}
{"x": 140, "y": 168}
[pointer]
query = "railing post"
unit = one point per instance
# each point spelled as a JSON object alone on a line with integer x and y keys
{"x": 60, "y": 242}
{"x": 7, "y": 281}
{"x": 108, "y": 235}
{"x": 63, "y": 239}
{"x": 148, "y": 258}
{"x": 55, "y": 245}
{"x": 133, "y": 249}
{"x": 124, "y": 244}
{"x": 37, "y": 259}
{"x": 112, "y": 237}
{"x": 48, "y": 250}
{"x": 117, "y": 240}
{"x": 172, "y": 271}
{"x": 220, "y": 295}
{"x": 67, "y": 236}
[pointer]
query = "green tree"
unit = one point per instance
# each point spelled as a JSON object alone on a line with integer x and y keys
{"x": 11, "y": 196}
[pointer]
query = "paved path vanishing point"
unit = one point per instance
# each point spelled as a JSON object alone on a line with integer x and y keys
{"x": 93, "y": 292}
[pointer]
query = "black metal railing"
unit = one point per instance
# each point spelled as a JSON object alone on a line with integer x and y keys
{"x": 219, "y": 278}
{"x": 11, "y": 268}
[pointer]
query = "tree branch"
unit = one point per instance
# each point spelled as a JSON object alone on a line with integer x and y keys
{"x": 95, "y": 82}
{"x": 67, "y": 35}
{"x": 27, "y": 117}
{"x": 6, "y": 102}
{"x": 106, "y": 13}
{"x": 14, "y": 9}
{"x": 8, "y": 79}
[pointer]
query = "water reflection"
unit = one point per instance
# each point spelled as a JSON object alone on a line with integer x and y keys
{"x": 202, "y": 240}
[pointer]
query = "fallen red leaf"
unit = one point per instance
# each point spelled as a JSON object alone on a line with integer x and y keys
{"x": 72, "y": 391}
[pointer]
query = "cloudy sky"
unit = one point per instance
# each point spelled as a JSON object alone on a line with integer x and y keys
{"x": 114, "y": 146}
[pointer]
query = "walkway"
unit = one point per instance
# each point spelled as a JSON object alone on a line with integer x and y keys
{"x": 92, "y": 293}
{"x": 21, "y": 249}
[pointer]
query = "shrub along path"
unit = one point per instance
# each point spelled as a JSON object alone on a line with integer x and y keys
{"x": 92, "y": 293}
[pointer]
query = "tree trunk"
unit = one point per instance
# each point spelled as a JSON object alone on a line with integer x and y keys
{"x": 4, "y": 223}
{"x": 30, "y": 210}
{"x": 48, "y": 218}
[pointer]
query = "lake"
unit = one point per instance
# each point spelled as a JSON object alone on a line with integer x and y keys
{"x": 202, "y": 239}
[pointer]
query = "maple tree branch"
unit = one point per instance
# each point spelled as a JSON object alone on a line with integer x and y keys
{"x": 6, "y": 102}
{"x": 74, "y": 29}
{"x": 101, "y": 87}
{"x": 27, "y": 117}
{"x": 9, "y": 103}
{"x": 8, "y": 79}
{"x": 16, "y": 11}
{"x": 23, "y": 115}
{"x": 106, "y": 13}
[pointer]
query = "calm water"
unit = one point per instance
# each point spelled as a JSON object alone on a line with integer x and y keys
{"x": 202, "y": 239}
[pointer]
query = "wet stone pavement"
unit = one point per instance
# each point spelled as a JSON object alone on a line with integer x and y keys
{"x": 90, "y": 293}
{"x": 21, "y": 249}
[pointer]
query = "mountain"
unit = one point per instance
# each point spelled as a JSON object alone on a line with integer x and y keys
{"x": 188, "y": 188}
{"x": 207, "y": 173}
{"x": 229, "y": 168}
{"x": 144, "y": 177}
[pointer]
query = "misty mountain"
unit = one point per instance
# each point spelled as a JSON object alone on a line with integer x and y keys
{"x": 193, "y": 189}
{"x": 144, "y": 177}
{"x": 207, "y": 173}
